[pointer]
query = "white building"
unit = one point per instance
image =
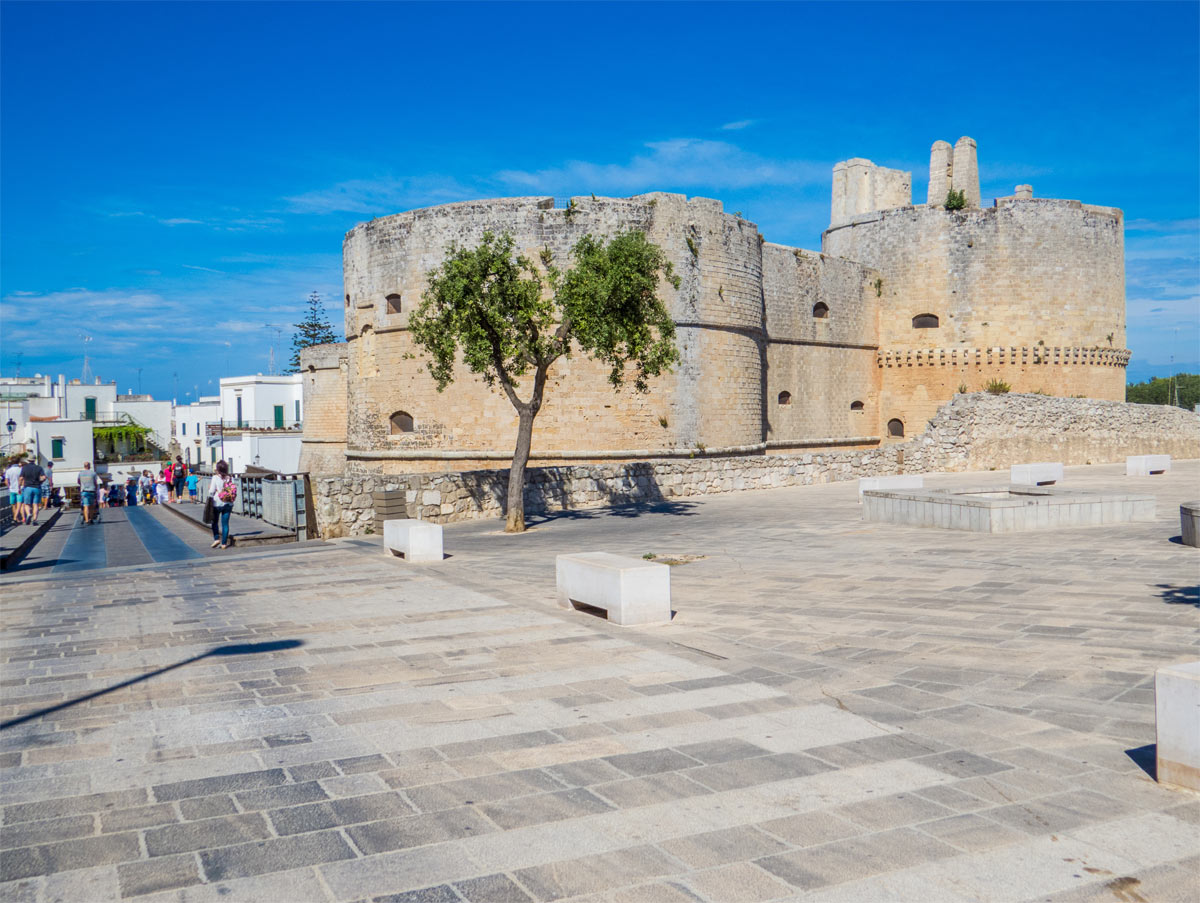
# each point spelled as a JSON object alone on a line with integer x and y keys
{"x": 260, "y": 424}
{"x": 57, "y": 420}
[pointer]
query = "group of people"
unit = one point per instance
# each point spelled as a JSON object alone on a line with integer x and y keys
{"x": 28, "y": 482}
{"x": 30, "y": 488}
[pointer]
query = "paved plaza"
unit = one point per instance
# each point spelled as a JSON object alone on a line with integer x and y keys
{"x": 839, "y": 711}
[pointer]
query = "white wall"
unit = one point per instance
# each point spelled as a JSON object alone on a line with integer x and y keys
{"x": 275, "y": 451}
{"x": 74, "y": 404}
{"x": 153, "y": 414}
{"x": 190, "y": 420}
{"x": 259, "y": 396}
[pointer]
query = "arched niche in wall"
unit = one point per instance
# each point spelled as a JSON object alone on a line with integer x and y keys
{"x": 394, "y": 305}
{"x": 856, "y": 406}
{"x": 895, "y": 428}
{"x": 401, "y": 422}
{"x": 347, "y": 300}
{"x": 925, "y": 321}
{"x": 785, "y": 397}
{"x": 820, "y": 311}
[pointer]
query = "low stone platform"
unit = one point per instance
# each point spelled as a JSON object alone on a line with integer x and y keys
{"x": 1010, "y": 509}
{"x": 242, "y": 530}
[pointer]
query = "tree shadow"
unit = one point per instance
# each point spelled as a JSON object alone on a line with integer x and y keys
{"x": 1179, "y": 595}
{"x": 1145, "y": 758}
{"x": 232, "y": 649}
{"x": 627, "y": 509}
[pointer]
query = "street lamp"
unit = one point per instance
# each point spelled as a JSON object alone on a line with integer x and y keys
{"x": 12, "y": 426}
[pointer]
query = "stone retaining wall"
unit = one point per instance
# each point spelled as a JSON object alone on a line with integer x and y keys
{"x": 972, "y": 432}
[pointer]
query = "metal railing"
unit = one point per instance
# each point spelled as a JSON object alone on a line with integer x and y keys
{"x": 260, "y": 425}
{"x": 278, "y": 499}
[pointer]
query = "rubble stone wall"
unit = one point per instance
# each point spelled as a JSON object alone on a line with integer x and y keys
{"x": 971, "y": 432}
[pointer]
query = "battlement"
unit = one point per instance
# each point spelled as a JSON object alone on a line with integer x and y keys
{"x": 1012, "y": 355}
{"x": 859, "y": 186}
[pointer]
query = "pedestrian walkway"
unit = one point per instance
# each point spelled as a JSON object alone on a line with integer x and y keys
{"x": 839, "y": 712}
{"x": 121, "y": 537}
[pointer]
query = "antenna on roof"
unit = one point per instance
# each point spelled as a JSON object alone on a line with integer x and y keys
{"x": 86, "y": 376}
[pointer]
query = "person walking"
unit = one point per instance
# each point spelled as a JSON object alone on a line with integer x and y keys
{"x": 178, "y": 475}
{"x": 163, "y": 486}
{"x": 31, "y": 480}
{"x": 167, "y": 475}
{"x": 12, "y": 479}
{"x": 48, "y": 487}
{"x": 193, "y": 484}
{"x": 131, "y": 491}
{"x": 222, "y": 489}
{"x": 144, "y": 485}
{"x": 87, "y": 492}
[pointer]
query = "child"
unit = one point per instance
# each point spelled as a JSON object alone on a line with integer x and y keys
{"x": 192, "y": 482}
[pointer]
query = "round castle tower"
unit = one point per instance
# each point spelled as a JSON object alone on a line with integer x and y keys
{"x": 398, "y": 422}
{"x": 1028, "y": 292}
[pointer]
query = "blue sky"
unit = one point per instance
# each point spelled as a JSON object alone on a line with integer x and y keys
{"x": 177, "y": 176}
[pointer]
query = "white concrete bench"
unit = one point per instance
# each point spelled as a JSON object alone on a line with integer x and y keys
{"x": 1145, "y": 465}
{"x": 899, "y": 481}
{"x": 1043, "y": 474}
{"x": 630, "y": 590}
{"x": 416, "y": 540}
{"x": 1177, "y": 725}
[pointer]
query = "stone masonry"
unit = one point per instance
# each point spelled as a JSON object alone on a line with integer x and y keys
{"x": 973, "y": 432}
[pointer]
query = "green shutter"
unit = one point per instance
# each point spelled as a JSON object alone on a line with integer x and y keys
{"x": 56, "y": 449}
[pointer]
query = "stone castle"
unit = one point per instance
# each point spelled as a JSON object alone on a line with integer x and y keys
{"x": 783, "y": 350}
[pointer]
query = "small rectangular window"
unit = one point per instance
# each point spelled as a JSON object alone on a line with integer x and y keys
{"x": 185, "y": 429}
{"x": 297, "y": 410}
{"x": 56, "y": 449}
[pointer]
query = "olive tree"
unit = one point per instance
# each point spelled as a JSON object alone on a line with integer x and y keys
{"x": 508, "y": 320}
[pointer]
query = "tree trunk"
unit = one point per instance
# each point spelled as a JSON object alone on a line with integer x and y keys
{"x": 515, "y": 522}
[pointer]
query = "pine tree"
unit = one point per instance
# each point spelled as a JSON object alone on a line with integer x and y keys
{"x": 314, "y": 329}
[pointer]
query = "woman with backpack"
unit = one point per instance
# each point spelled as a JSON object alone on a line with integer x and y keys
{"x": 222, "y": 490}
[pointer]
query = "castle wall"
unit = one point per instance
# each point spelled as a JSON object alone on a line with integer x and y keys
{"x": 1029, "y": 276}
{"x": 859, "y": 186}
{"x": 823, "y": 363}
{"x": 323, "y": 382}
{"x": 712, "y": 398}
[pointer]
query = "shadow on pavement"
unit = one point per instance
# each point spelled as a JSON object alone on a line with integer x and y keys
{"x": 1179, "y": 595}
{"x": 681, "y": 509}
{"x": 1145, "y": 758}
{"x": 232, "y": 649}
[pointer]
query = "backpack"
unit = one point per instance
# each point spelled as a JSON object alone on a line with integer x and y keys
{"x": 228, "y": 492}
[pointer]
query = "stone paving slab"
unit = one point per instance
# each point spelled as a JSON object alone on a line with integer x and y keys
{"x": 839, "y": 711}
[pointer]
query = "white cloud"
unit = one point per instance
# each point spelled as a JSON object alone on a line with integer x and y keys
{"x": 739, "y": 125}
{"x": 181, "y": 221}
{"x": 188, "y": 266}
{"x": 381, "y": 195}
{"x": 677, "y": 163}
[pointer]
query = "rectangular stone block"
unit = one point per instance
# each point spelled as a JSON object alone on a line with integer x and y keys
{"x": 1189, "y": 523}
{"x": 1145, "y": 465}
{"x": 417, "y": 541}
{"x": 630, "y": 590}
{"x": 1043, "y": 474}
{"x": 898, "y": 481}
{"x": 1177, "y": 725}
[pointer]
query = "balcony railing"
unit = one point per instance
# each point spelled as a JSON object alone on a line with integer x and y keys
{"x": 261, "y": 425}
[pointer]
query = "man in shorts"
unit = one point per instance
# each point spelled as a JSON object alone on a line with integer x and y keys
{"x": 32, "y": 476}
{"x": 87, "y": 492}
{"x": 12, "y": 479}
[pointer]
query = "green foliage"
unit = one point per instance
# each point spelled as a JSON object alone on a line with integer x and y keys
{"x": 130, "y": 433}
{"x": 501, "y": 312}
{"x": 1162, "y": 391}
{"x": 692, "y": 246}
{"x": 956, "y": 200}
{"x": 962, "y": 389}
{"x": 1039, "y": 392}
{"x": 571, "y": 210}
{"x": 879, "y": 287}
{"x": 662, "y": 421}
{"x": 997, "y": 387}
{"x": 649, "y": 556}
{"x": 314, "y": 329}
{"x": 505, "y": 317}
